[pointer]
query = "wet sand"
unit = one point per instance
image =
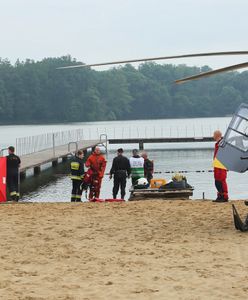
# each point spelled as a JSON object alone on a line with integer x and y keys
{"x": 136, "y": 250}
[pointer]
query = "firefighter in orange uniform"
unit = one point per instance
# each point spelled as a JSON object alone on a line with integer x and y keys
{"x": 220, "y": 172}
{"x": 97, "y": 163}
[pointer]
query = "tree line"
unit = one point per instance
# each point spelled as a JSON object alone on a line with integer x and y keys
{"x": 36, "y": 92}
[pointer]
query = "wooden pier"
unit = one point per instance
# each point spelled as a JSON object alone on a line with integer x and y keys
{"x": 142, "y": 141}
{"x": 37, "y": 159}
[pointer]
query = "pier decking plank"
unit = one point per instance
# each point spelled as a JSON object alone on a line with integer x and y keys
{"x": 32, "y": 160}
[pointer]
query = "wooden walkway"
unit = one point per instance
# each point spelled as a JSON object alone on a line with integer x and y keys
{"x": 35, "y": 160}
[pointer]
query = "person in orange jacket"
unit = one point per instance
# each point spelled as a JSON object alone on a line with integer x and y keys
{"x": 97, "y": 163}
{"x": 220, "y": 173}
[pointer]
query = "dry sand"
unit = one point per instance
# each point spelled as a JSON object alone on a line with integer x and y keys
{"x": 136, "y": 250}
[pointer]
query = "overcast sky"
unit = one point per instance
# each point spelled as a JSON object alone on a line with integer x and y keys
{"x": 104, "y": 30}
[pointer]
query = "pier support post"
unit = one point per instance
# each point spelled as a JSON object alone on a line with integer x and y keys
{"x": 55, "y": 163}
{"x": 141, "y": 145}
{"x": 22, "y": 175}
{"x": 37, "y": 170}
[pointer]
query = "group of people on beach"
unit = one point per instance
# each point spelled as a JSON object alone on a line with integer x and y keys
{"x": 136, "y": 167}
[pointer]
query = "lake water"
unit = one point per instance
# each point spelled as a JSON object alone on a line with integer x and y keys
{"x": 55, "y": 185}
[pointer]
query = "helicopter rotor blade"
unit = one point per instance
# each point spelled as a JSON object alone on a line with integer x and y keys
{"x": 157, "y": 58}
{"x": 210, "y": 73}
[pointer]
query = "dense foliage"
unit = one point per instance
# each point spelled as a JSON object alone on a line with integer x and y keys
{"x": 38, "y": 92}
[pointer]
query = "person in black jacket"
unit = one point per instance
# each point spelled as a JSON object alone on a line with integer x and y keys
{"x": 121, "y": 170}
{"x": 148, "y": 167}
{"x": 13, "y": 164}
{"x": 77, "y": 174}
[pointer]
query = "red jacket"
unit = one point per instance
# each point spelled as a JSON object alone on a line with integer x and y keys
{"x": 216, "y": 148}
{"x": 97, "y": 163}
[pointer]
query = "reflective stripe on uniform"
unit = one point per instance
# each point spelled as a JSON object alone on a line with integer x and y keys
{"x": 75, "y": 165}
{"x": 137, "y": 172}
{"x": 75, "y": 177}
{"x": 78, "y": 196}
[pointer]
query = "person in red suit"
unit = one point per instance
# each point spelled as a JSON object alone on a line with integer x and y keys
{"x": 97, "y": 163}
{"x": 220, "y": 172}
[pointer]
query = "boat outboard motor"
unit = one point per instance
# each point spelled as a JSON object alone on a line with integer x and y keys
{"x": 239, "y": 225}
{"x": 233, "y": 148}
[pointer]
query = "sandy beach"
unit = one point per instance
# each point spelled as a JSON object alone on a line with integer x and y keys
{"x": 136, "y": 250}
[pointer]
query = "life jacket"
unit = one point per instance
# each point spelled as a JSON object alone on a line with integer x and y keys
{"x": 137, "y": 166}
{"x": 216, "y": 163}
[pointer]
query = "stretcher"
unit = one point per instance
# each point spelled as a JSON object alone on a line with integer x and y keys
{"x": 106, "y": 200}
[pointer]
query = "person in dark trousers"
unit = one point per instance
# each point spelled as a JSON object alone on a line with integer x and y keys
{"x": 148, "y": 167}
{"x": 220, "y": 172}
{"x": 137, "y": 166}
{"x": 13, "y": 164}
{"x": 121, "y": 170}
{"x": 77, "y": 174}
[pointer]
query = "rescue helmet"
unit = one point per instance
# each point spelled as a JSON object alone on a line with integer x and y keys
{"x": 142, "y": 181}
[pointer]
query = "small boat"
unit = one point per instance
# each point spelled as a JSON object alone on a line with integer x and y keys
{"x": 161, "y": 194}
{"x": 176, "y": 188}
{"x": 144, "y": 194}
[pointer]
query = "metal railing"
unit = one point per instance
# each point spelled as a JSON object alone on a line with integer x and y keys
{"x": 2, "y": 151}
{"x": 27, "y": 145}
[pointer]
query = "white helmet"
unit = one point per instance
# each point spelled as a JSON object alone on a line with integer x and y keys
{"x": 142, "y": 181}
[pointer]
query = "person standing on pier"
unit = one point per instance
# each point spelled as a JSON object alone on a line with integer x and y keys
{"x": 77, "y": 173}
{"x": 137, "y": 166}
{"x": 13, "y": 165}
{"x": 121, "y": 170}
{"x": 220, "y": 172}
{"x": 97, "y": 163}
{"x": 148, "y": 167}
